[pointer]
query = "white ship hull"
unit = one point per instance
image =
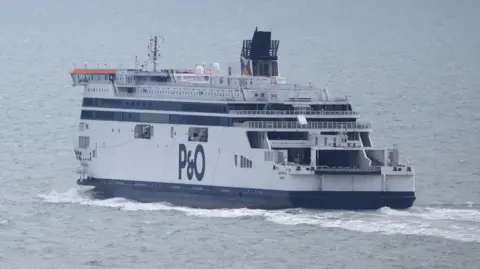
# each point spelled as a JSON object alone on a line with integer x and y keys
{"x": 156, "y": 170}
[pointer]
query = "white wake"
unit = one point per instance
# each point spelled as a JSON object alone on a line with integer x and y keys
{"x": 453, "y": 224}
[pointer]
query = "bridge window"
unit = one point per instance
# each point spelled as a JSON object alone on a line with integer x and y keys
{"x": 143, "y": 131}
{"x": 164, "y": 78}
{"x": 198, "y": 134}
{"x": 75, "y": 78}
{"x": 156, "y": 105}
{"x": 155, "y": 118}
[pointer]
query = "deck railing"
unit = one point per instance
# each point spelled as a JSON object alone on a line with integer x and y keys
{"x": 348, "y": 169}
{"x": 292, "y": 112}
{"x": 296, "y": 125}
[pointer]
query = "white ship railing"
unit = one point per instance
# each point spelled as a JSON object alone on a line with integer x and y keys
{"x": 291, "y": 112}
{"x": 296, "y": 125}
{"x": 348, "y": 169}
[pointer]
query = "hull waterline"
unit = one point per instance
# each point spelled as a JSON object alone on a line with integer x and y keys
{"x": 212, "y": 197}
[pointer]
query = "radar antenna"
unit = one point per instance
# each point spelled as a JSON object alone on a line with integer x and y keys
{"x": 153, "y": 51}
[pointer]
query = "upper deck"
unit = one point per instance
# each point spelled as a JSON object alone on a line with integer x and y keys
{"x": 83, "y": 76}
{"x": 259, "y": 81}
{"x": 208, "y": 87}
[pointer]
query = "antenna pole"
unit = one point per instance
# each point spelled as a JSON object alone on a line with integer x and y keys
{"x": 155, "y": 55}
{"x": 154, "y": 51}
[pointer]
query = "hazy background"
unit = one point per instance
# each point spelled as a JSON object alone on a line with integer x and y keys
{"x": 410, "y": 67}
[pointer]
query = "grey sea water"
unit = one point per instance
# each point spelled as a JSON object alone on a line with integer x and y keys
{"x": 411, "y": 68}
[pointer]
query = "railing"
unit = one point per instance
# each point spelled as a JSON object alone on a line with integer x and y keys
{"x": 183, "y": 92}
{"x": 294, "y": 143}
{"x": 291, "y": 112}
{"x": 296, "y": 125}
{"x": 348, "y": 169}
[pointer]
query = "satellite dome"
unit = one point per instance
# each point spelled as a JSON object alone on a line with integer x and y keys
{"x": 216, "y": 67}
{"x": 199, "y": 69}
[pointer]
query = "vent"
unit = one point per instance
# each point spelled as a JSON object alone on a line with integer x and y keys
{"x": 83, "y": 142}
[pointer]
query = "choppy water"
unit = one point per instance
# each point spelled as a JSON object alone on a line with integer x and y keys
{"x": 411, "y": 68}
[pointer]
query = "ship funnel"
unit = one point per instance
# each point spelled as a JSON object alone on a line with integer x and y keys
{"x": 259, "y": 55}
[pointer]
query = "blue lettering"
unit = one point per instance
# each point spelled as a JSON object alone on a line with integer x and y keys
{"x": 185, "y": 160}
{"x": 182, "y": 159}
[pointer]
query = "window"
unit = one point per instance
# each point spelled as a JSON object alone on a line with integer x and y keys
{"x": 198, "y": 134}
{"x": 155, "y": 118}
{"x": 156, "y": 105}
{"x": 143, "y": 131}
{"x": 104, "y": 115}
{"x": 75, "y": 78}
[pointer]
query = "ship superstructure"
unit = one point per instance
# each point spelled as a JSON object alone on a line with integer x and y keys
{"x": 211, "y": 139}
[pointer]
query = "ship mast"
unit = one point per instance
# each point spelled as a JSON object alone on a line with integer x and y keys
{"x": 153, "y": 51}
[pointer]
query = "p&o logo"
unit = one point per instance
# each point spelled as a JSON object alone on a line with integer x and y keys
{"x": 191, "y": 163}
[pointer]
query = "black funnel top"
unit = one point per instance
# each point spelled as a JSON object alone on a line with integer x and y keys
{"x": 261, "y": 47}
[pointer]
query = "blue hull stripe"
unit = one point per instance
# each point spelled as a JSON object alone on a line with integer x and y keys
{"x": 201, "y": 196}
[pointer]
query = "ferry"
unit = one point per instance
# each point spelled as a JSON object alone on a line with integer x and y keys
{"x": 207, "y": 138}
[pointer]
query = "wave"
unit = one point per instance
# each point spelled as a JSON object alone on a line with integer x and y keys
{"x": 448, "y": 223}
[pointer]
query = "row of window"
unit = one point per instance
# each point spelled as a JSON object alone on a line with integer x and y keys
{"x": 197, "y": 107}
{"x": 155, "y": 105}
{"x": 331, "y": 107}
{"x": 188, "y": 119}
{"x": 155, "y": 118}
{"x": 83, "y": 78}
